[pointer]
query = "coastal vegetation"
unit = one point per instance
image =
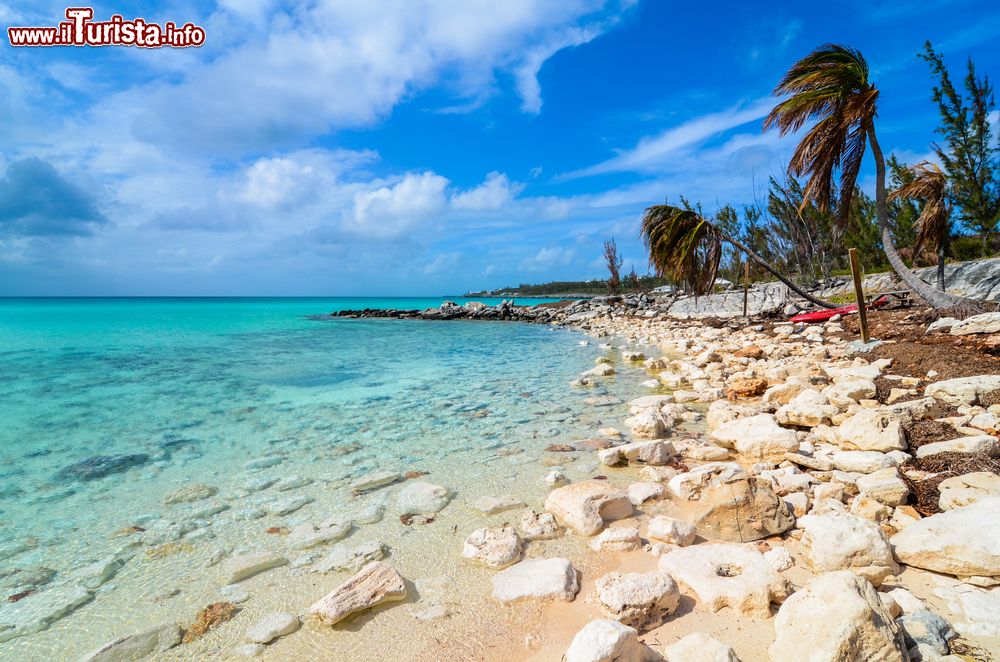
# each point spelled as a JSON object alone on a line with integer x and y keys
{"x": 804, "y": 229}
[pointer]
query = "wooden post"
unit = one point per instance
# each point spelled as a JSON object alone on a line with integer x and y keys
{"x": 746, "y": 285}
{"x": 859, "y": 294}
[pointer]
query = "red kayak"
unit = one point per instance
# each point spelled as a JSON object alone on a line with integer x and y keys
{"x": 822, "y": 315}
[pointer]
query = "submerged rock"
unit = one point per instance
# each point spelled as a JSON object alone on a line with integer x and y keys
{"x": 100, "y": 466}
{"x": 190, "y": 493}
{"x": 38, "y": 611}
{"x": 309, "y": 535}
{"x": 376, "y": 583}
{"x": 209, "y": 617}
{"x": 238, "y": 568}
{"x": 156, "y": 639}
{"x": 350, "y": 557}
{"x": 421, "y": 497}
{"x": 273, "y": 626}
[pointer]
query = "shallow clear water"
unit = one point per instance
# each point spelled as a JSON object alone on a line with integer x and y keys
{"x": 184, "y": 391}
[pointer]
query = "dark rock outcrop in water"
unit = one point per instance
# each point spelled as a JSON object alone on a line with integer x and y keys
{"x": 561, "y": 312}
{"x": 100, "y": 466}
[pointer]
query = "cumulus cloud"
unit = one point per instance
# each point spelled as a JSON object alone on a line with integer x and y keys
{"x": 388, "y": 212}
{"x": 494, "y": 193}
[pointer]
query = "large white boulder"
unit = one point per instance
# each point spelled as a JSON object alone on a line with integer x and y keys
{"x": 497, "y": 546}
{"x": 640, "y": 600}
{"x": 837, "y": 617}
{"x": 807, "y": 409}
{"x": 964, "y": 542}
{"x": 541, "y": 579}
{"x": 646, "y": 424}
{"x": 757, "y": 437}
{"x": 741, "y": 511}
{"x": 587, "y": 505}
{"x": 964, "y": 390}
{"x": 376, "y": 583}
{"x": 842, "y": 541}
{"x": 734, "y": 576}
{"x": 607, "y": 641}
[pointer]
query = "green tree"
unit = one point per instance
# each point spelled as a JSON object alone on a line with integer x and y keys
{"x": 933, "y": 227}
{"x": 970, "y": 155}
{"x": 831, "y": 89}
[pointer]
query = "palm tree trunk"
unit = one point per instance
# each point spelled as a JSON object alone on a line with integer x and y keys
{"x": 934, "y": 298}
{"x": 774, "y": 272}
{"x": 940, "y": 265}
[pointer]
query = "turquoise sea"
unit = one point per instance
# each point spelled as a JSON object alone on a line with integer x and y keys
{"x": 109, "y": 405}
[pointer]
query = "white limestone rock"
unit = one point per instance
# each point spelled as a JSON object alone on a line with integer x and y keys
{"x": 725, "y": 575}
{"x": 757, "y": 437}
{"x": 670, "y": 530}
{"x": 871, "y": 430}
{"x": 617, "y": 538}
{"x": 376, "y": 583}
{"x": 375, "y": 480}
{"x": 641, "y": 492}
{"x": 607, "y": 641}
{"x": 647, "y": 425}
{"x": 654, "y": 453}
{"x": 420, "y": 497}
{"x": 837, "y": 617}
{"x": 640, "y": 600}
{"x": 540, "y": 579}
{"x": 587, "y": 505}
{"x": 842, "y": 541}
{"x": 273, "y": 626}
{"x": 979, "y": 610}
{"x": 964, "y": 542}
{"x": 539, "y": 526}
{"x": 38, "y": 611}
{"x": 863, "y": 462}
{"x": 496, "y": 547}
{"x": 237, "y": 568}
{"x": 959, "y": 491}
{"x": 983, "y": 443}
{"x": 885, "y": 486}
{"x": 964, "y": 390}
{"x": 984, "y": 323}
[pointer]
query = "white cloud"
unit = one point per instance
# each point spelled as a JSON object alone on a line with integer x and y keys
{"x": 494, "y": 193}
{"x": 653, "y": 152}
{"x": 389, "y": 212}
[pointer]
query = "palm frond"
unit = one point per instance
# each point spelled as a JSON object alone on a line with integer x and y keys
{"x": 930, "y": 186}
{"x": 830, "y": 88}
{"x": 683, "y": 246}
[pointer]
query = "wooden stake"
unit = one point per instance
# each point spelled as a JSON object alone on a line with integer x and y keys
{"x": 746, "y": 285}
{"x": 859, "y": 294}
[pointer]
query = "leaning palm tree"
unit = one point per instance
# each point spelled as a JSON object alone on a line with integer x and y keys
{"x": 930, "y": 186}
{"x": 686, "y": 247}
{"x": 831, "y": 88}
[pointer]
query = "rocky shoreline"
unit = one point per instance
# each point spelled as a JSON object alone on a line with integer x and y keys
{"x": 770, "y": 448}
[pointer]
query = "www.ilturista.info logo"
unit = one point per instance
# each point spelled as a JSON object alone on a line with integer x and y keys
{"x": 81, "y": 30}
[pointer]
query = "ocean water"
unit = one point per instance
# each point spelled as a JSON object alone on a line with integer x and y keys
{"x": 109, "y": 405}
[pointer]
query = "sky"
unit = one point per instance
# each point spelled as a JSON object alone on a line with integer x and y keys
{"x": 415, "y": 147}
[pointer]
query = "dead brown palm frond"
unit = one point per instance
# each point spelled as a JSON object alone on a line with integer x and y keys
{"x": 682, "y": 246}
{"x": 930, "y": 186}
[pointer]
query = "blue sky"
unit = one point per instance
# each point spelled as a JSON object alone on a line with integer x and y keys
{"x": 331, "y": 147}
